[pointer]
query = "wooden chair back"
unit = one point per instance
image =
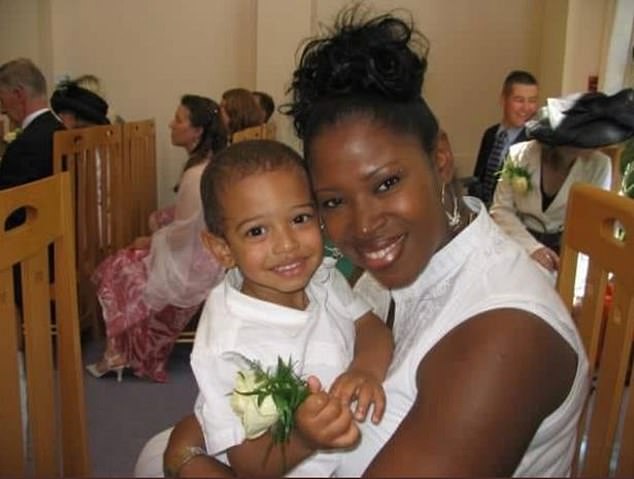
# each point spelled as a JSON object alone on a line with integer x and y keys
{"x": 54, "y": 379}
{"x": 266, "y": 131}
{"x": 595, "y": 224}
{"x": 93, "y": 157}
{"x": 139, "y": 158}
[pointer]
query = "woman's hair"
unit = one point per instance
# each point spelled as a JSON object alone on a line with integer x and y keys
{"x": 371, "y": 68}
{"x": 204, "y": 113}
{"x": 266, "y": 103}
{"x": 91, "y": 83}
{"x": 242, "y": 109}
{"x": 239, "y": 161}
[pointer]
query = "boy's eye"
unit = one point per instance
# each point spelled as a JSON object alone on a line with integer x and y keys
{"x": 303, "y": 218}
{"x": 331, "y": 203}
{"x": 388, "y": 183}
{"x": 255, "y": 231}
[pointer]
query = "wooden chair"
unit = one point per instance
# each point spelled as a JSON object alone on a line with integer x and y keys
{"x": 139, "y": 159}
{"x": 592, "y": 221}
{"x": 56, "y": 410}
{"x": 93, "y": 156}
{"x": 266, "y": 131}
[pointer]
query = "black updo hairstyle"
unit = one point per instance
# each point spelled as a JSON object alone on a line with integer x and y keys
{"x": 371, "y": 68}
{"x": 205, "y": 113}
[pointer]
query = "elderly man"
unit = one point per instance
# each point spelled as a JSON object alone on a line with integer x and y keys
{"x": 519, "y": 103}
{"x": 24, "y": 100}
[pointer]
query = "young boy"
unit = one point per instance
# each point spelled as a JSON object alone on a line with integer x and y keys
{"x": 278, "y": 300}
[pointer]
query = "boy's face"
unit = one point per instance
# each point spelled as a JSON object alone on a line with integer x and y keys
{"x": 272, "y": 234}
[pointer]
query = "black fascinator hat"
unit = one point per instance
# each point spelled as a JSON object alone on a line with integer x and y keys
{"x": 591, "y": 120}
{"x": 82, "y": 102}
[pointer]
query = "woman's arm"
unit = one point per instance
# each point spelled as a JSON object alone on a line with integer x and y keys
{"x": 483, "y": 391}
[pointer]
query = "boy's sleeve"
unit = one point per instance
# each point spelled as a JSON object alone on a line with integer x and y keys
{"x": 351, "y": 304}
{"x": 374, "y": 294}
{"x": 215, "y": 375}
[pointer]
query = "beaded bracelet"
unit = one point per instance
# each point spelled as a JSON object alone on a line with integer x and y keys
{"x": 187, "y": 455}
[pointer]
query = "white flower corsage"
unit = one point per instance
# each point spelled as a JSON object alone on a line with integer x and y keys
{"x": 518, "y": 176}
{"x": 267, "y": 400}
{"x": 12, "y": 135}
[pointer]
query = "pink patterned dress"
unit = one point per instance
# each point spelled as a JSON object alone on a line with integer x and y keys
{"x": 149, "y": 295}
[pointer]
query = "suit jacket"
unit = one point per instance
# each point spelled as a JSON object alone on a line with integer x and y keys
{"x": 486, "y": 145}
{"x": 29, "y": 157}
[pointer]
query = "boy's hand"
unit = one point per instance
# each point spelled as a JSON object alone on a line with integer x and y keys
{"x": 362, "y": 386}
{"x": 324, "y": 421}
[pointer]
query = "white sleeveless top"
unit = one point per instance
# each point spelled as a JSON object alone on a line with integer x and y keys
{"x": 481, "y": 269}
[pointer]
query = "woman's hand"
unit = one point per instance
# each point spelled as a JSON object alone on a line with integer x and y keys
{"x": 364, "y": 388}
{"x": 324, "y": 421}
{"x": 547, "y": 258}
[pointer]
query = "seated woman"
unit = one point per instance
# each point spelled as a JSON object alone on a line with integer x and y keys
{"x": 94, "y": 84}
{"x": 240, "y": 110}
{"x": 149, "y": 291}
{"x": 531, "y": 197}
{"x": 78, "y": 107}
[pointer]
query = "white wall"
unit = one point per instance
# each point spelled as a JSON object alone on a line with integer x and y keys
{"x": 150, "y": 52}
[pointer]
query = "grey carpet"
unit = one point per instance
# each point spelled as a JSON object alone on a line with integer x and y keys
{"x": 123, "y": 416}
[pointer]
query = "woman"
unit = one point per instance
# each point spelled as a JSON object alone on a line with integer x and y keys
{"x": 531, "y": 198}
{"x": 149, "y": 291}
{"x": 240, "y": 110}
{"x": 489, "y": 375}
{"x": 78, "y": 107}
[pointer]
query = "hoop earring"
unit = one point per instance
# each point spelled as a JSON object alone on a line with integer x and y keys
{"x": 454, "y": 217}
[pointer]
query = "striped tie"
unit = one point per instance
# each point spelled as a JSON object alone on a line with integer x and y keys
{"x": 493, "y": 165}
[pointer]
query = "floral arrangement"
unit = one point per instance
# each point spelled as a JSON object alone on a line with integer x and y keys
{"x": 267, "y": 400}
{"x": 12, "y": 135}
{"x": 518, "y": 176}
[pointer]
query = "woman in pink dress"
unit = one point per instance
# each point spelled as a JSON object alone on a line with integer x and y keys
{"x": 150, "y": 290}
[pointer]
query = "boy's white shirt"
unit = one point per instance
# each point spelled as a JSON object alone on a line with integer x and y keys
{"x": 234, "y": 326}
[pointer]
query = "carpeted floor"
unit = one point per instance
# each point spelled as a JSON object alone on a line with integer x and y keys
{"x": 123, "y": 416}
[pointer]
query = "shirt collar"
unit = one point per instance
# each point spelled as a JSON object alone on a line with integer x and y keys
{"x": 29, "y": 118}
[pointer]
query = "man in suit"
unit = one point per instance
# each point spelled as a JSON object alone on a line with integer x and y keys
{"x": 24, "y": 100}
{"x": 519, "y": 99}
{"x": 29, "y": 156}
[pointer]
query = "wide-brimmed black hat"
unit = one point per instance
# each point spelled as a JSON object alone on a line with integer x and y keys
{"x": 590, "y": 120}
{"x": 83, "y": 103}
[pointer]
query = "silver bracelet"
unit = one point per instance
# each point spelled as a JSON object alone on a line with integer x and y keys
{"x": 187, "y": 455}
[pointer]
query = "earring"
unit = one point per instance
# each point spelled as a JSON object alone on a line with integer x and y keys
{"x": 454, "y": 217}
{"x": 332, "y": 251}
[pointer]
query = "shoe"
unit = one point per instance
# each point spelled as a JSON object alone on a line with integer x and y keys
{"x": 105, "y": 366}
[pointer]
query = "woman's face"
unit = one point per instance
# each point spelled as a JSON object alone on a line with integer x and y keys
{"x": 183, "y": 133}
{"x": 379, "y": 198}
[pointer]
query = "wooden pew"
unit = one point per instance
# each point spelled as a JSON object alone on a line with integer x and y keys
{"x": 93, "y": 157}
{"x": 139, "y": 159}
{"x": 54, "y": 375}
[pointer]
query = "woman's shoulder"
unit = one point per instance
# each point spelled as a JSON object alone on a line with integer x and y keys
{"x": 524, "y": 151}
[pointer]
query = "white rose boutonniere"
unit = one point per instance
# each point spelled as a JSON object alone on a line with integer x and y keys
{"x": 518, "y": 176}
{"x": 12, "y": 135}
{"x": 267, "y": 400}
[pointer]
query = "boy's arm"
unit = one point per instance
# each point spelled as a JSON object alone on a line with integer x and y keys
{"x": 322, "y": 422}
{"x": 373, "y": 346}
{"x": 361, "y": 382}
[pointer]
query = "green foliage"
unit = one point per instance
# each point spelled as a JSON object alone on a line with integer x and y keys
{"x": 288, "y": 391}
